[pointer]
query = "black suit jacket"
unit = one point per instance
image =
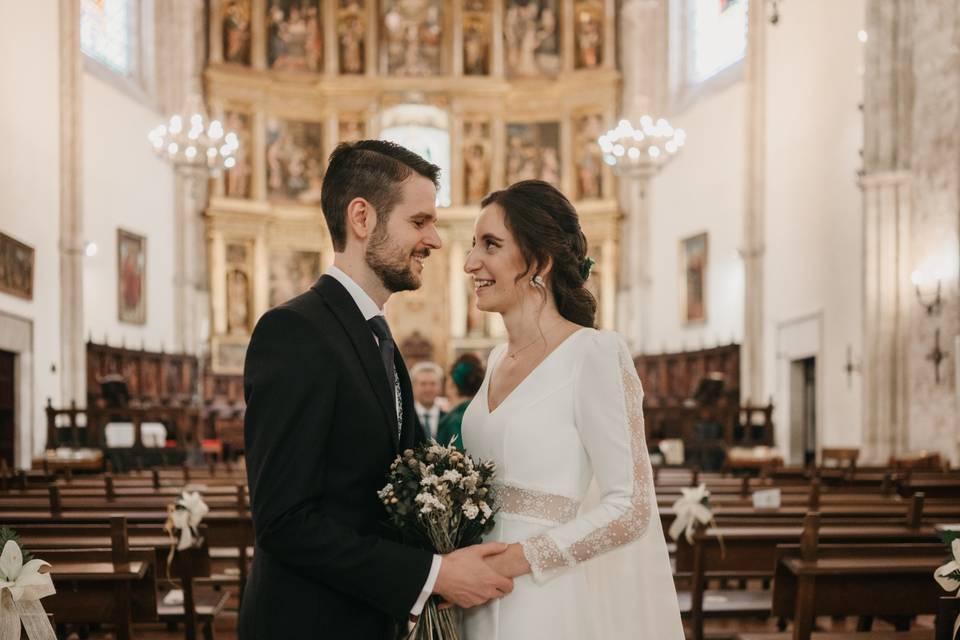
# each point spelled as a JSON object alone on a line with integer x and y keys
{"x": 320, "y": 433}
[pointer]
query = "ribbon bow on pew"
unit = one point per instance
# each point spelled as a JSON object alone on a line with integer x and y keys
{"x": 185, "y": 515}
{"x": 690, "y": 510}
{"x": 948, "y": 576}
{"x": 21, "y": 587}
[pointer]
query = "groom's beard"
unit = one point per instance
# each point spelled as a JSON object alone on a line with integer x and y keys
{"x": 391, "y": 263}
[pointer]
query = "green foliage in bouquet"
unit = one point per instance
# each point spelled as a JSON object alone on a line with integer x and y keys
{"x": 7, "y": 534}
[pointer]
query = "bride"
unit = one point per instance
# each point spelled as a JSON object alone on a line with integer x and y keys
{"x": 560, "y": 413}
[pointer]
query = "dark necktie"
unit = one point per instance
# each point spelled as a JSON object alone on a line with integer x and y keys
{"x": 378, "y": 324}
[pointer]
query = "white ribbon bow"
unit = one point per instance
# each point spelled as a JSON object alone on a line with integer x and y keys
{"x": 21, "y": 587}
{"x": 690, "y": 510}
{"x": 186, "y": 516}
{"x": 942, "y": 576}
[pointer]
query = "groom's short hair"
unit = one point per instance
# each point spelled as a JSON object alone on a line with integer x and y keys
{"x": 372, "y": 170}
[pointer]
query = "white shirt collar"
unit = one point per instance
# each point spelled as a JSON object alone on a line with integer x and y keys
{"x": 432, "y": 411}
{"x": 367, "y": 306}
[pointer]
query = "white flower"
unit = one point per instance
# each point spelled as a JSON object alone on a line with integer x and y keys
{"x": 24, "y": 581}
{"x": 429, "y": 502}
{"x": 487, "y": 511}
{"x": 386, "y": 491}
{"x": 941, "y": 575}
{"x": 470, "y": 481}
{"x": 430, "y": 480}
{"x": 470, "y": 509}
{"x": 452, "y": 476}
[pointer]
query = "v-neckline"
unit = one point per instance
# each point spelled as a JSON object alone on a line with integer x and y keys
{"x": 503, "y": 401}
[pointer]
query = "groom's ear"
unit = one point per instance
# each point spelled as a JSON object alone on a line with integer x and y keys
{"x": 361, "y": 218}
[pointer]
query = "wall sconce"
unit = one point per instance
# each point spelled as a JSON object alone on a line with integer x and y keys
{"x": 937, "y": 355}
{"x": 774, "y": 10}
{"x": 928, "y": 293}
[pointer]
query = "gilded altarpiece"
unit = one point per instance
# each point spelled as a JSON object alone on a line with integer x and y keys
{"x": 496, "y": 91}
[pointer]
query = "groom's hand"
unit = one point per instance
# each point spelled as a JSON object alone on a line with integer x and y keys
{"x": 467, "y": 581}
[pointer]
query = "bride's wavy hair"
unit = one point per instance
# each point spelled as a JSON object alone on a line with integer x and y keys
{"x": 547, "y": 227}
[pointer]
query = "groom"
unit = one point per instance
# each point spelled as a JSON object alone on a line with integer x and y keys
{"x": 329, "y": 406}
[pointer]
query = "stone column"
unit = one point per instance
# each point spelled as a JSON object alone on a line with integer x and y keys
{"x": 640, "y": 39}
{"x": 73, "y": 368}
{"x": 887, "y": 300}
{"x": 458, "y": 287}
{"x": 183, "y": 61}
{"x": 496, "y": 39}
{"x": 258, "y": 34}
{"x": 634, "y": 293}
{"x": 754, "y": 223}
{"x": 331, "y": 50}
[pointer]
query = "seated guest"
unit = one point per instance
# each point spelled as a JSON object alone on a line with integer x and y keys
{"x": 427, "y": 381}
{"x": 466, "y": 376}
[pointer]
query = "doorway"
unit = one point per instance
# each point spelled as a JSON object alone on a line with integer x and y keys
{"x": 8, "y": 418}
{"x": 803, "y": 408}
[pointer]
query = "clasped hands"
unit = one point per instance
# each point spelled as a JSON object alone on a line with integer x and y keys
{"x": 475, "y": 575}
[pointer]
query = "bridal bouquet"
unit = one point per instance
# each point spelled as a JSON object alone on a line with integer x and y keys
{"x": 439, "y": 499}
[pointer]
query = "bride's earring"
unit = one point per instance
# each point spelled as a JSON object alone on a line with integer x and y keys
{"x": 537, "y": 281}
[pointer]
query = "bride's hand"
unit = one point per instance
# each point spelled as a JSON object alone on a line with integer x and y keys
{"x": 510, "y": 563}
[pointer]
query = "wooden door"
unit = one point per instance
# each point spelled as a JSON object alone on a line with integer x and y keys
{"x": 7, "y": 394}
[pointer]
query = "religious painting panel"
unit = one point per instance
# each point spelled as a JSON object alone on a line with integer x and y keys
{"x": 294, "y": 35}
{"x": 294, "y": 161}
{"x": 587, "y": 128}
{"x": 351, "y": 127}
{"x": 132, "y": 278}
{"x": 351, "y": 36}
{"x": 412, "y": 37}
{"x": 239, "y": 288}
{"x": 235, "y": 21}
{"x": 237, "y": 179}
{"x": 16, "y": 267}
{"x": 228, "y": 354}
{"x": 533, "y": 152}
{"x": 291, "y": 273}
{"x": 531, "y": 31}
{"x": 477, "y": 30}
{"x": 477, "y": 155}
{"x": 588, "y": 33}
{"x": 693, "y": 254}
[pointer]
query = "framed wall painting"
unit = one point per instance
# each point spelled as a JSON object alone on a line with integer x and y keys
{"x": 16, "y": 267}
{"x": 693, "y": 285}
{"x": 131, "y": 277}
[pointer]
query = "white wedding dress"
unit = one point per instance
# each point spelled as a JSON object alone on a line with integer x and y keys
{"x": 576, "y": 491}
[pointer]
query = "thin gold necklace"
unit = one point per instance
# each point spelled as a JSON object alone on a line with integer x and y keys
{"x": 543, "y": 336}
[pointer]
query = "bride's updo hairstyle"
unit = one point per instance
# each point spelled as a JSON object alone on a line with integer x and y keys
{"x": 547, "y": 227}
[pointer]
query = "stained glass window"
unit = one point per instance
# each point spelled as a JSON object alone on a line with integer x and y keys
{"x": 719, "y": 36}
{"x": 107, "y": 34}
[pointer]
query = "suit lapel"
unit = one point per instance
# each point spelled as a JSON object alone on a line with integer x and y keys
{"x": 348, "y": 313}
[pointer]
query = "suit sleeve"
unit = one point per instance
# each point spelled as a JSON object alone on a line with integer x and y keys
{"x": 290, "y": 384}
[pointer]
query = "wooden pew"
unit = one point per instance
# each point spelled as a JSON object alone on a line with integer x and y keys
{"x": 751, "y": 552}
{"x": 814, "y": 579}
{"x": 115, "y": 584}
{"x": 187, "y": 566}
{"x": 231, "y": 530}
